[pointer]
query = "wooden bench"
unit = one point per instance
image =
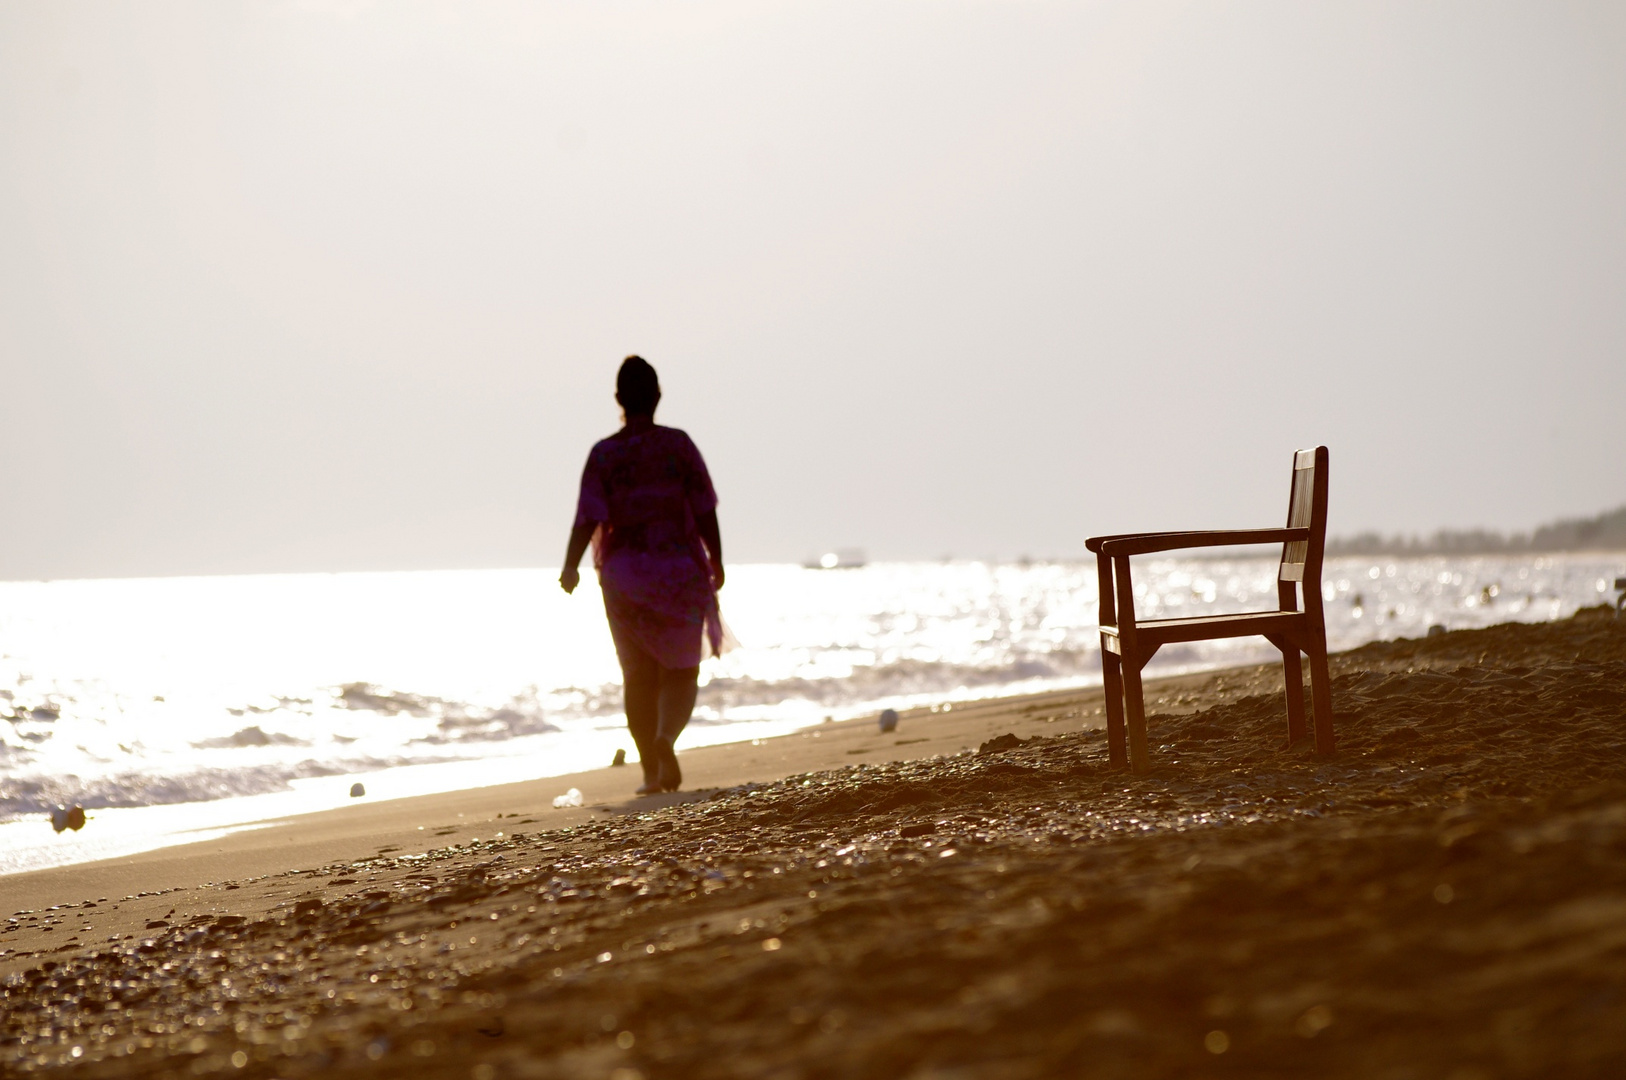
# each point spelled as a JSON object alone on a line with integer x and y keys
{"x": 1127, "y": 643}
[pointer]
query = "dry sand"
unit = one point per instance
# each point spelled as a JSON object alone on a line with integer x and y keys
{"x": 1444, "y": 898}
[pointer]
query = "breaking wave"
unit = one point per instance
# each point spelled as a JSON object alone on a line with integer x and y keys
{"x": 21, "y": 795}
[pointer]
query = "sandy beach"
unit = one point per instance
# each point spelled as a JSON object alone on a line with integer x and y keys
{"x": 976, "y": 894}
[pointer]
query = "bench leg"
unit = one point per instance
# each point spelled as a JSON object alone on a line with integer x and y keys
{"x": 1112, "y": 684}
{"x": 1321, "y": 699}
{"x": 1140, "y": 760}
{"x": 1294, "y": 675}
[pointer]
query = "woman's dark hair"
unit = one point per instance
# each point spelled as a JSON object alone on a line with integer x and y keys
{"x": 637, "y": 387}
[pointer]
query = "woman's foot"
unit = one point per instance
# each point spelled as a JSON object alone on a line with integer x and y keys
{"x": 652, "y": 778}
{"x": 671, "y": 777}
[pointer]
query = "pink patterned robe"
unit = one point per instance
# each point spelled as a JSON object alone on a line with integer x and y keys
{"x": 644, "y": 492}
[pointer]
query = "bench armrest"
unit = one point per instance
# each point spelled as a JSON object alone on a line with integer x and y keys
{"x": 1094, "y": 543}
{"x": 1146, "y": 543}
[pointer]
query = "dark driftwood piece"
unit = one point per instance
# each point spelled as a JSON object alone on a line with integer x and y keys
{"x": 1127, "y": 643}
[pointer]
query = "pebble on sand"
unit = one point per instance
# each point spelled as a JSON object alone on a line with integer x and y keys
{"x": 889, "y": 721}
{"x": 357, "y": 790}
{"x": 64, "y": 817}
{"x": 620, "y": 758}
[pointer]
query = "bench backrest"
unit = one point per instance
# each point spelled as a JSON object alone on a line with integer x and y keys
{"x": 1307, "y": 509}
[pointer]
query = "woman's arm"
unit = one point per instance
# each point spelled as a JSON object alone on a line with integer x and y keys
{"x": 580, "y": 537}
{"x": 709, "y": 532}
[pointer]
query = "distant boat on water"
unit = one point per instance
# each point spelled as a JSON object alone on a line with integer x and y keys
{"x": 840, "y": 559}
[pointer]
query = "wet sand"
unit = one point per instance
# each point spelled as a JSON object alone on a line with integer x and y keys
{"x": 1445, "y": 897}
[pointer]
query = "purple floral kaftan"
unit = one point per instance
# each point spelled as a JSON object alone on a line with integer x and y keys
{"x": 644, "y": 492}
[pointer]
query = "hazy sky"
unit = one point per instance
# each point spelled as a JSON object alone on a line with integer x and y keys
{"x": 324, "y": 286}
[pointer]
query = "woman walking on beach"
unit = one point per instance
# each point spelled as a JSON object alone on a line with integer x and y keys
{"x": 648, "y": 508}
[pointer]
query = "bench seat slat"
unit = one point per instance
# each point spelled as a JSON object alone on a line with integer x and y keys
{"x": 1203, "y": 627}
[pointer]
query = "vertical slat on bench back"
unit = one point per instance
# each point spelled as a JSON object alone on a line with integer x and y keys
{"x": 1306, "y": 509}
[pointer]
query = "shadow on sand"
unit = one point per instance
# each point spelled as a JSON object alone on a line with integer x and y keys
{"x": 645, "y": 804}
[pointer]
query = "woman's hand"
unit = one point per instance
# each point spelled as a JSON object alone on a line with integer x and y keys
{"x": 580, "y": 537}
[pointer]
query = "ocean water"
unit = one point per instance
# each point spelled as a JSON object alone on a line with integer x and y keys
{"x": 194, "y": 705}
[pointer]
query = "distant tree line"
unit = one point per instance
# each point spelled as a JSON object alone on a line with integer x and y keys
{"x": 1606, "y": 532}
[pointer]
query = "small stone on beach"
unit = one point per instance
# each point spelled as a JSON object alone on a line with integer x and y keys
{"x": 357, "y": 790}
{"x": 68, "y": 818}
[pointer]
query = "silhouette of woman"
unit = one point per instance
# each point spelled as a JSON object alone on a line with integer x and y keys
{"x": 649, "y": 511}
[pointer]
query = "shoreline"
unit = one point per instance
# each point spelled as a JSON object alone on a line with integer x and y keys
{"x": 228, "y": 824}
{"x": 417, "y": 824}
{"x": 306, "y": 796}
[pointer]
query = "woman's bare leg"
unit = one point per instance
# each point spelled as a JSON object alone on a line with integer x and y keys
{"x": 678, "y": 687}
{"x": 641, "y": 688}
